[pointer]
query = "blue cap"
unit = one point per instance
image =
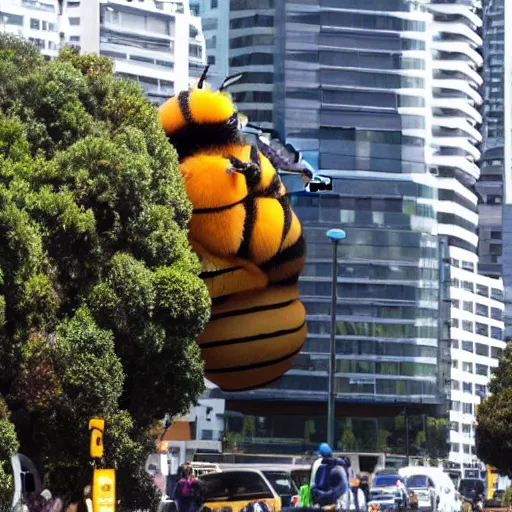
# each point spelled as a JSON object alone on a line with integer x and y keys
{"x": 324, "y": 450}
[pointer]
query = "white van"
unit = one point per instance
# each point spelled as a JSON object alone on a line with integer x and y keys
{"x": 446, "y": 494}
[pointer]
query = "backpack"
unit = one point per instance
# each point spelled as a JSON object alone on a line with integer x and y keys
{"x": 322, "y": 476}
{"x": 186, "y": 487}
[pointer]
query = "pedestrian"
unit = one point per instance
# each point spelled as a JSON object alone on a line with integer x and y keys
{"x": 188, "y": 492}
{"x": 330, "y": 480}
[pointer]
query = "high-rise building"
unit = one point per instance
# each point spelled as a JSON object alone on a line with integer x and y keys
{"x": 252, "y": 51}
{"x": 495, "y": 185}
{"x": 215, "y": 19}
{"x": 490, "y": 185}
{"x": 352, "y": 90}
{"x": 36, "y": 21}
{"x": 383, "y": 97}
{"x": 477, "y": 306}
{"x": 158, "y": 44}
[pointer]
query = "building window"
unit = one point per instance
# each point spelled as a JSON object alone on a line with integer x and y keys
{"x": 456, "y": 303}
{"x": 482, "y": 350}
{"x": 455, "y": 323}
{"x": 195, "y": 51}
{"x": 468, "y": 286}
{"x": 467, "y": 367}
{"x": 467, "y": 387}
{"x": 481, "y": 389}
{"x": 467, "y": 306}
{"x": 482, "y": 369}
{"x": 467, "y": 448}
{"x": 496, "y": 314}
{"x": 467, "y": 326}
{"x": 455, "y": 447}
{"x": 211, "y": 60}
{"x": 482, "y": 329}
{"x": 455, "y": 343}
{"x": 455, "y": 406}
{"x": 214, "y": 4}
{"x": 74, "y": 21}
{"x": 34, "y": 24}
{"x": 482, "y": 290}
{"x": 466, "y": 429}
{"x": 496, "y": 352}
{"x": 74, "y": 39}
{"x": 467, "y": 346}
{"x": 482, "y": 310}
{"x": 497, "y": 333}
{"x": 467, "y": 408}
{"x": 455, "y": 364}
{"x": 455, "y": 385}
{"x": 454, "y": 426}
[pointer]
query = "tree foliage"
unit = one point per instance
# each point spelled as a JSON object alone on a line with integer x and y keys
{"x": 100, "y": 299}
{"x": 494, "y": 417}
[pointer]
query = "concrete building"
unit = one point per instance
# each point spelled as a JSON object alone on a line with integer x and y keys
{"x": 477, "y": 321}
{"x": 215, "y": 21}
{"x": 159, "y": 44}
{"x": 495, "y": 185}
{"x": 383, "y": 97}
{"x": 252, "y": 51}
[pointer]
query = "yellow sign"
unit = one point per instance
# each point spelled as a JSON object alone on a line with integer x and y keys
{"x": 96, "y": 428}
{"x": 104, "y": 490}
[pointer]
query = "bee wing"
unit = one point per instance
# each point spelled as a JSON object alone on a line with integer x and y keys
{"x": 230, "y": 80}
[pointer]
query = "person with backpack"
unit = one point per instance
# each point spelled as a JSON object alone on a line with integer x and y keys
{"x": 188, "y": 495}
{"x": 329, "y": 477}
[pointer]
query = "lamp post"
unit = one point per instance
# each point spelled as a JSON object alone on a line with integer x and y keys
{"x": 335, "y": 235}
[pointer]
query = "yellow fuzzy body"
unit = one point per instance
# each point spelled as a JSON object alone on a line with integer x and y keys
{"x": 249, "y": 241}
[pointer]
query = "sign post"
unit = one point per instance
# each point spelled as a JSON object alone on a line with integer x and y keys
{"x": 103, "y": 480}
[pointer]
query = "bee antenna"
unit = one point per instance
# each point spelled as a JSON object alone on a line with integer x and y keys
{"x": 230, "y": 80}
{"x": 203, "y": 77}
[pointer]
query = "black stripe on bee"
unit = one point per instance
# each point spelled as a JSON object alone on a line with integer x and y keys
{"x": 195, "y": 137}
{"x": 254, "y": 366}
{"x": 295, "y": 251}
{"x": 250, "y": 216}
{"x": 220, "y": 272}
{"x": 217, "y": 209}
{"x": 255, "y": 309}
{"x": 274, "y": 189}
{"x": 287, "y": 281}
{"x": 183, "y": 102}
{"x": 287, "y": 212}
{"x": 256, "y": 337}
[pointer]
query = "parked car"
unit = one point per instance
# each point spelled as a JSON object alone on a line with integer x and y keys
{"x": 446, "y": 494}
{"x": 388, "y": 492}
{"x": 234, "y": 489}
{"x": 424, "y": 489}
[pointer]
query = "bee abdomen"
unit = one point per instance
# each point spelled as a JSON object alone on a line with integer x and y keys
{"x": 269, "y": 324}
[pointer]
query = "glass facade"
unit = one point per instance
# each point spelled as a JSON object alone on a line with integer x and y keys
{"x": 353, "y": 94}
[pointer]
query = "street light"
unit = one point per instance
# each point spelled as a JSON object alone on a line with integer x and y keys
{"x": 335, "y": 235}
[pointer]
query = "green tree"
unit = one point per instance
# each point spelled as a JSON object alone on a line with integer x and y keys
{"x": 100, "y": 299}
{"x": 436, "y": 438}
{"x": 494, "y": 425}
{"x": 494, "y": 418}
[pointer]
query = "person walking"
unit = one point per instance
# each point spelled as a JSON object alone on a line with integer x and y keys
{"x": 329, "y": 478}
{"x": 188, "y": 492}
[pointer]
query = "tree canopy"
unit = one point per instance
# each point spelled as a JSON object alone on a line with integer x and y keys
{"x": 100, "y": 299}
{"x": 494, "y": 419}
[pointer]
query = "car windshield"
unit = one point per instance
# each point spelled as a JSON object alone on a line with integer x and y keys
{"x": 385, "y": 480}
{"x": 281, "y": 482}
{"x": 235, "y": 486}
{"x": 469, "y": 484}
{"x": 417, "y": 481}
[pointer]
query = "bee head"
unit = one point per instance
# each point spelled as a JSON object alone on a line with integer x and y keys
{"x": 200, "y": 106}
